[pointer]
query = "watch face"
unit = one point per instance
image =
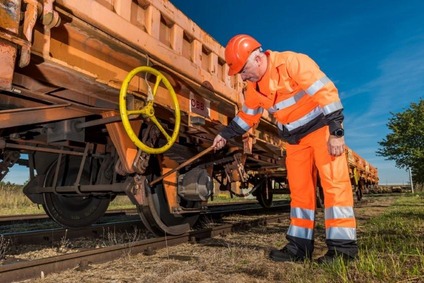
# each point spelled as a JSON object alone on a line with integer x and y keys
{"x": 339, "y": 133}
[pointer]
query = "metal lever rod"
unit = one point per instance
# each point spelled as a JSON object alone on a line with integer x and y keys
{"x": 185, "y": 163}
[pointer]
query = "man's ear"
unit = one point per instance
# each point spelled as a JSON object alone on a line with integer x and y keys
{"x": 258, "y": 59}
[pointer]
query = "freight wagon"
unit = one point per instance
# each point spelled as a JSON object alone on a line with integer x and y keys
{"x": 102, "y": 98}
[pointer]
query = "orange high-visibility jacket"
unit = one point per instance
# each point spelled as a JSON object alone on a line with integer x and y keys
{"x": 299, "y": 95}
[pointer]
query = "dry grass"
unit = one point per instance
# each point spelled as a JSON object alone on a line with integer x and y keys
{"x": 13, "y": 201}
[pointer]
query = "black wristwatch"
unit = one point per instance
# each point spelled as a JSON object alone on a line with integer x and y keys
{"x": 338, "y": 132}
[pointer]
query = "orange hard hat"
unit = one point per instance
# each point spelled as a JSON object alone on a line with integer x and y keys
{"x": 238, "y": 50}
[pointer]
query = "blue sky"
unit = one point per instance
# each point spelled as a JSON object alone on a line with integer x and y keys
{"x": 372, "y": 50}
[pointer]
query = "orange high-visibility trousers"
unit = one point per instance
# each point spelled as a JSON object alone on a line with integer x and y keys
{"x": 302, "y": 160}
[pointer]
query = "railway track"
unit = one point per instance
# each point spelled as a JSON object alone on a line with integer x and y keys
{"x": 15, "y": 270}
{"x": 14, "y": 225}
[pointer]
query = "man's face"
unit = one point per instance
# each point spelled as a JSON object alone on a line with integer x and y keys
{"x": 250, "y": 71}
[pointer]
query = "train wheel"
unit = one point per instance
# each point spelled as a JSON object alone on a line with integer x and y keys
{"x": 70, "y": 210}
{"x": 155, "y": 213}
{"x": 264, "y": 194}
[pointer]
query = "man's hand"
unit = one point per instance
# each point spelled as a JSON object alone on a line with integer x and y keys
{"x": 336, "y": 145}
{"x": 219, "y": 142}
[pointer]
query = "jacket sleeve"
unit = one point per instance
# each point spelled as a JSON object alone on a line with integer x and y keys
{"x": 247, "y": 117}
{"x": 231, "y": 131}
{"x": 307, "y": 74}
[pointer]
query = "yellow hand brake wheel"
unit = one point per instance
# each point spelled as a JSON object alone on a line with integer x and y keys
{"x": 148, "y": 111}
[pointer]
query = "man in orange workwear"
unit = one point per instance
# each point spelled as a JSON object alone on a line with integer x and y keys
{"x": 308, "y": 111}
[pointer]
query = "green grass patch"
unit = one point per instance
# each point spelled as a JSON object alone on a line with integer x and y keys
{"x": 391, "y": 247}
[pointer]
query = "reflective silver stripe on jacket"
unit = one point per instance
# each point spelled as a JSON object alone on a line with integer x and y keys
{"x": 305, "y": 119}
{"x": 287, "y": 102}
{"x": 300, "y": 232}
{"x": 340, "y": 233}
{"x": 314, "y": 88}
{"x": 252, "y": 111}
{"x": 242, "y": 124}
{"x": 339, "y": 212}
{"x": 317, "y": 85}
{"x": 332, "y": 107}
{"x": 302, "y": 213}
